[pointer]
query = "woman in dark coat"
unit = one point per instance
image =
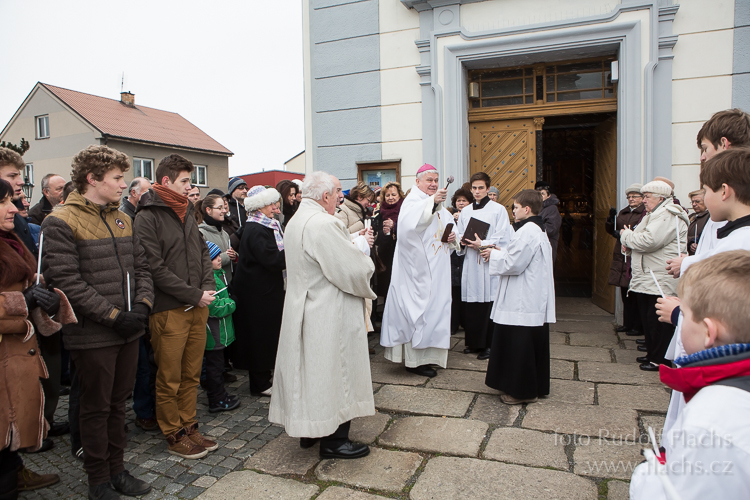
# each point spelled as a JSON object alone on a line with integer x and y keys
{"x": 258, "y": 290}
{"x": 619, "y": 271}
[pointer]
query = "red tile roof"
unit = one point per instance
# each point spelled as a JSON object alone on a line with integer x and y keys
{"x": 139, "y": 123}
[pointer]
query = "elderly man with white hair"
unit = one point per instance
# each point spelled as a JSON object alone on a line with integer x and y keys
{"x": 322, "y": 377}
{"x": 136, "y": 189}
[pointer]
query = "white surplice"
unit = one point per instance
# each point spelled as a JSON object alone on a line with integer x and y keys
{"x": 417, "y": 310}
{"x": 476, "y": 283}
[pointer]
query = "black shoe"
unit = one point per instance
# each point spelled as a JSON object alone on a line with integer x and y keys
{"x": 229, "y": 377}
{"x": 640, "y": 341}
{"x": 59, "y": 429}
{"x": 424, "y": 370}
{"x": 485, "y": 354}
{"x": 622, "y": 329}
{"x": 225, "y": 404}
{"x": 47, "y": 444}
{"x": 64, "y": 391}
{"x": 471, "y": 351}
{"x": 346, "y": 450}
{"x": 642, "y": 359}
{"x": 649, "y": 367}
{"x": 128, "y": 485}
{"x": 634, "y": 333}
{"x": 308, "y": 442}
{"x": 642, "y": 348}
{"x": 103, "y": 491}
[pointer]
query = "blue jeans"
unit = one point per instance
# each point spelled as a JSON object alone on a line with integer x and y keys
{"x": 143, "y": 397}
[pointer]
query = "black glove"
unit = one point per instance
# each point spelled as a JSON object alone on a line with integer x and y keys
{"x": 128, "y": 324}
{"x": 612, "y": 213}
{"x": 47, "y": 299}
{"x": 141, "y": 308}
{"x": 28, "y": 295}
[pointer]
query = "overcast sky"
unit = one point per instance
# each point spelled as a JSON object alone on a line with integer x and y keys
{"x": 231, "y": 67}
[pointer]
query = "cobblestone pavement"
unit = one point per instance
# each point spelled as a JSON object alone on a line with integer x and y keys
{"x": 444, "y": 438}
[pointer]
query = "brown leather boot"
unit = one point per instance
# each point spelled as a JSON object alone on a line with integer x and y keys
{"x": 181, "y": 445}
{"x": 198, "y": 439}
{"x": 29, "y": 480}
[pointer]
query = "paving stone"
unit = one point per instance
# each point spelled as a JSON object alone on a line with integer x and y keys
{"x": 382, "y": 469}
{"x": 627, "y": 356}
{"x": 449, "y": 478}
{"x": 584, "y": 327}
{"x": 616, "y": 373}
{"x": 561, "y": 369}
{"x": 394, "y": 373}
{"x": 459, "y": 347}
{"x": 455, "y": 340}
{"x": 630, "y": 344}
{"x": 339, "y": 493}
{"x": 461, "y": 361}
{"x": 366, "y": 429}
{"x": 375, "y": 387}
{"x": 493, "y": 411}
{"x": 594, "y": 339}
{"x": 577, "y": 353}
{"x": 283, "y": 455}
{"x": 587, "y": 420}
{"x": 249, "y": 485}
{"x": 451, "y": 436}
{"x": 525, "y": 447}
{"x": 574, "y": 305}
{"x": 204, "y": 482}
{"x": 618, "y": 490}
{"x": 656, "y": 422}
{"x": 604, "y": 458}
{"x": 461, "y": 380}
{"x": 557, "y": 338}
{"x": 571, "y": 391}
{"x": 637, "y": 397}
{"x": 421, "y": 400}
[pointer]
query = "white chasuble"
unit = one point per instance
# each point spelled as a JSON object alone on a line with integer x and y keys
{"x": 417, "y": 310}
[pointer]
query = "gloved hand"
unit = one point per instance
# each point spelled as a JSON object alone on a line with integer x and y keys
{"x": 129, "y": 323}
{"x": 142, "y": 309}
{"x": 612, "y": 213}
{"x": 38, "y": 296}
{"x": 28, "y": 295}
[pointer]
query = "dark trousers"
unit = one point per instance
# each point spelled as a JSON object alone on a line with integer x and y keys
{"x": 10, "y": 462}
{"x": 259, "y": 381}
{"x": 457, "y": 311}
{"x": 106, "y": 375}
{"x": 50, "y": 347}
{"x": 658, "y": 335}
{"x": 74, "y": 409}
{"x": 144, "y": 392}
{"x": 519, "y": 363}
{"x": 338, "y": 438}
{"x": 215, "y": 376}
{"x": 631, "y": 318}
{"x": 477, "y": 324}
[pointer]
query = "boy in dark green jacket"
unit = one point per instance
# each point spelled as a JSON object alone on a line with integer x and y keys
{"x": 219, "y": 334}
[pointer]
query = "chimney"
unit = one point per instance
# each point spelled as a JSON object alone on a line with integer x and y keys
{"x": 127, "y": 99}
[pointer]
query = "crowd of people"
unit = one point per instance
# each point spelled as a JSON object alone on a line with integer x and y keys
{"x": 153, "y": 290}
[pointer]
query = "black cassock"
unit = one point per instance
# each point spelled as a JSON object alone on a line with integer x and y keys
{"x": 519, "y": 363}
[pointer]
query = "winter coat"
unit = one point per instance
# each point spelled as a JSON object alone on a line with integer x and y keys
{"x": 21, "y": 229}
{"x": 127, "y": 208}
{"x": 40, "y": 211}
{"x": 552, "y": 221}
{"x": 88, "y": 252}
{"x": 710, "y": 435}
{"x": 221, "y": 239}
{"x": 352, "y": 215}
{"x": 322, "y": 377}
{"x": 21, "y": 366}
{"x": 619, "y": 270}
{"x": 526, "y": 295}
{"x": 176, "y": 252}
{"x": 236, "y": 215}
{"x": 651, "y": 244}
{"x": 220, "y": 328}
{"x": 695, "y": 230}
{"x": 258, "y": 289}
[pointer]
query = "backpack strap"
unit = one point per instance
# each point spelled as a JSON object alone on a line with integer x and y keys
{"x": 738, "y": 382}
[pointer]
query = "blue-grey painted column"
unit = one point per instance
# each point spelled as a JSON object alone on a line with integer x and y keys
{"x": 345, "y": 86}
{"x": 662, "y": 121}
{"x": 741, "y": 66}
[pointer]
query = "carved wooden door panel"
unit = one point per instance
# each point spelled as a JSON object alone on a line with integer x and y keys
{"x": 506, "y": 151}
{"x": 605, "y": 196}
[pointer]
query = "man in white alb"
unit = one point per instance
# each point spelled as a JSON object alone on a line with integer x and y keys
{"x": 416, "y": 320}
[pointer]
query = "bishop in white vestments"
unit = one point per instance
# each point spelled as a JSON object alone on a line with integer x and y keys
{"x": 416, "y": 320}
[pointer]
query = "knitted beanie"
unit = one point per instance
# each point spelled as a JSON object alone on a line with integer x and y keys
{"x": 213, "y": 249}
{"x": 234, "y": 183}
{"x": 660, "y": 188}
{"x": 633, "y": 188}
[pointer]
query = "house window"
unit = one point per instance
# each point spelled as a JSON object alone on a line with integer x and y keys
{"x": 42, "y": 127}
{"x": 198, "y": 177}
{"x": 28, "y": 173}
{"x": 143, "y": 168}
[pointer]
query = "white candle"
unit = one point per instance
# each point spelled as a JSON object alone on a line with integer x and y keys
{"x": 39, "y": 264}
{"x": 129, "y": 308}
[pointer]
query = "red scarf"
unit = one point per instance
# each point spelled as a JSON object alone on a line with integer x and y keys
{"x": 176, "y": 202}
{"x": 388, "y": 211}
{"x": 689, "y": 380}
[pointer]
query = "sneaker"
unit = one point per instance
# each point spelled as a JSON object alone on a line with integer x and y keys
{"x": 29, "y": 480}
{"x": 147, "y": 424}
{"x": 103, "y": 491}
{"x": 225, "y": 404}
{"x": 197, "y": 438}
{"x": 126, "y": 484}
{"x": 510, "y": 400}
{"x": 181, "y": 445}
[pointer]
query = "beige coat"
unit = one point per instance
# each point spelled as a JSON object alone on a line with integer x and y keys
{"x": 652, "y": 244}
{"x": 351, "y": 214}
{"x": 322, "y": 376}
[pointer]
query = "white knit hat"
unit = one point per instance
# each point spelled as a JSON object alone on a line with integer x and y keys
{"x": 259, "y": 197}
{"x": 657, "y": 187}
{"x": 633, "y": 188}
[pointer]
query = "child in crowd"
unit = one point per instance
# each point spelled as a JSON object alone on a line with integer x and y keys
{"x": 709, "y": 444}
{"x": 219, "y": 334}
{"x": 519, "y": 364}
